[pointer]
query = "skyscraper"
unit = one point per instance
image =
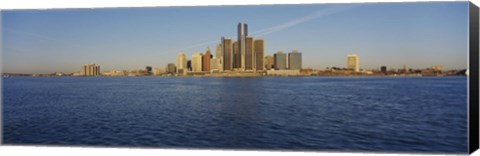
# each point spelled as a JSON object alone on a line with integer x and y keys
{"x": 227, "y": 53}
{"x": 242, "y": 34}
{"x": 269, "y": 62}
{"x": 258, "y": 51}
{"x": 353, "y": 62}
{"x": 280, "y": 60}
{"x": 236, "y": 64}
{"x": 206, "y": 60}
{"x": 90, "y": 70}
{"x": 249, "y": 53}
{"x": 294, "y": 60}
{"x": 197, "y": 62}
{"x": 181, "y": 63}
{"x": 86, "y": 70}
{"x": 219, "y": 56}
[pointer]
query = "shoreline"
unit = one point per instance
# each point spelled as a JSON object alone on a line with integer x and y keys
{"x": 269, "y": 73}
{"x": 254, "y": 76}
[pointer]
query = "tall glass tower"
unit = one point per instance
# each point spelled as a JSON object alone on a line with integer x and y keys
{"x": 239, "y": 58}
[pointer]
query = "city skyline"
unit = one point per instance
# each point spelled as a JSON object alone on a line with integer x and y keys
{"x": 321, "y": 32}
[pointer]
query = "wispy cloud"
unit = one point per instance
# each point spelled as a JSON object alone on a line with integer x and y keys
{"x": 314, "y": 15}
{"x": 307, "y": 18}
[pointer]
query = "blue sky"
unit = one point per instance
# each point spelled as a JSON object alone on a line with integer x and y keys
{"x": 62, "y": 40}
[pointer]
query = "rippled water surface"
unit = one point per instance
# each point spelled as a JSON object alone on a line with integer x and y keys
{"x": 417, "y": 114}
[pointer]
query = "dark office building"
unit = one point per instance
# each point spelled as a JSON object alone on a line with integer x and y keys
{"x": 171, "y": 68}
{"x": 149, "y": 70}
{"x": 236, "y": 56}
{"x": 189, "y": 65}
{"x": 227, "y": 54}
{"x": 258, "y": 51}
{"x": 383, "y": 69}
{"x": 249, "y": 53}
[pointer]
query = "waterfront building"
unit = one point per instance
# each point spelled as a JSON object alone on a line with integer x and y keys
{"x": 59, "y": 74}
{"x": 353, "y": 62}
{"x": 258, "y": 51}
{"x": 392, "y": 70}
{"x": 149, "y": 70}
{"x": 197, "y": 62}
{"x": 138, "y": 73}
{"x": 206, "y": 60}
{"x": 105, "y": 73}
{"x": 405, "y": 69}
{"x": 90, "y": 70}
{"x": 189, "y": 65}
{"x": 158, "y": 71}
{"x": 269, "y": 62}
{"x": 283, "y": 72}
{"x": 77, "y": 74}
{"x": 97, "y": 71}
{"x": 437, "y": 68}
{"x": 214, "y": 64}
{"x": 219, "y": 56}
{"x": 115, "y": 73}
{"x": 249, "y": 61}
{"x": 227, "y": 53}
{"x": 84, "y": 70}
{"x": 181, "y": 63}
{"x": 383, "y": 69}
{"x": 295, "y": 60}
{"x": 242, "y": 34}
{"x": 171, "y": 69}
{"x": 280, "y": 60}
{"x": 236, "y": 64}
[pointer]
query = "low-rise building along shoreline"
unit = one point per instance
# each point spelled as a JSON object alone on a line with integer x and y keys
{"x": 263, "y": 73}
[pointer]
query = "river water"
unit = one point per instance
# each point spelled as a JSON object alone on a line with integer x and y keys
{"x": 380, "y": 114}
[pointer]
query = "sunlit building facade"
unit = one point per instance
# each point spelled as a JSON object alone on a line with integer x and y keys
{"x": 171, "y": 69}
{"x": 90, "y": 70}
{"x": 294, "y": 60}
{"x": 206, "y": 60}
{"x": 353, "y": 62}
{"x": 280, "y": 60}
{"x": 197, "y": 62}
{"x": 181, "y": 63}
{"x": 219, "y": 56}
{"x": 269, "y": 62}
